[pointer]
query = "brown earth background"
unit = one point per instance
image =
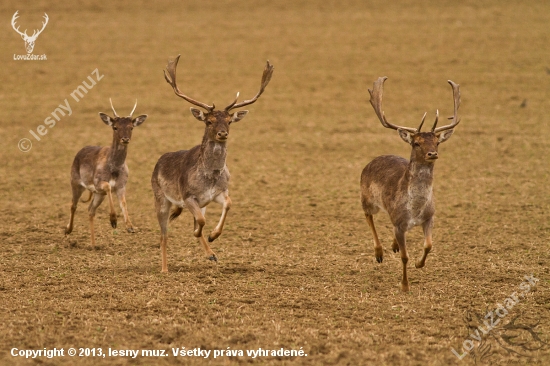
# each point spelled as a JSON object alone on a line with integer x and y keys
{"x": 296, "y": 265}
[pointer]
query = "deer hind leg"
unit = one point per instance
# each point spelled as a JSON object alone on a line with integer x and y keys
{"x": 200, "y": 221}
{"x": 77, "y": 193}
{"x": 224, "y": 200}
{"x": 106, "y": 187}
{"x": 427, "y": 227}
{"x": 400, "y": 237}
{"x": 378, "y": 250}
{"x": 121, "y": 195}
{"x": 163, "y": 206}
{"x": 96, "y": 201}
{"x": 395, "y": 246}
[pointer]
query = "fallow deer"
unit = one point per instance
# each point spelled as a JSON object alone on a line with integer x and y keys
{"x": 102, "y": 170}
{"x": 404, "y": 189}
{"x": 194, "y": 178}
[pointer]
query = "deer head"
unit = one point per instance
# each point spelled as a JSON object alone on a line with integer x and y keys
{"x": 122, "y": 126}
{"x": 424, "y": 144}
{"x": 29, "y": 41}
{"x": 217, "y": 121}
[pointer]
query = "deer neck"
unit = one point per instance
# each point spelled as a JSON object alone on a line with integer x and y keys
{"x": 212, "y": 157}
{"x": 117, "y": 155}
{"x": 419, "y": 179}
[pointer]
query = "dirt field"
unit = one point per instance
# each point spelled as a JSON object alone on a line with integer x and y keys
{"x": 296, "y": 265}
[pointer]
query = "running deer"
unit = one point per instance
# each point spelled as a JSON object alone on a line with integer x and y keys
{"x": 404, "y": 189}
{"x": 102, "y": 170}
{"x": 194, "y": 178}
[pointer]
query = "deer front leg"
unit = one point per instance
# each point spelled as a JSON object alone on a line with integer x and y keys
{"x": 224, "y": 200}
{"x": 96, "y": 201}
{"x": 106, "y": 187}
{"x": 163, "y": 206}
{"x": 200, "y": 221}
{"x": 378, "y": 250}
{"x": 400, "y": 237}
{"x": 195, "y": 224}
{"x": 427, "y": 227}
{"x": 121, "y": 195}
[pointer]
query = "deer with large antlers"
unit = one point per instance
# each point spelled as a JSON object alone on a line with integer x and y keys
{"x": 102, "y": 170}
{"x": 404, "y": 189}
{"x": 29, "y": 41}
{"x": 194, "y": 178}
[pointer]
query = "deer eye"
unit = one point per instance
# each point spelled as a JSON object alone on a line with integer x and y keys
{"x": 416, "y": 144}
{"x": 114, "y": 128}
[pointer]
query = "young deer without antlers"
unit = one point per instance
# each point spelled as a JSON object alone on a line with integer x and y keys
{"x": 194, "y": 178}
{"x": 404, "y": 189}
{"x": 102, "y": 170}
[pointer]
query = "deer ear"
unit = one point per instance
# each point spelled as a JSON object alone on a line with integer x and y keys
{"x": 105, "y": 118}
{"x": 405, "y": 135}
{"x": 237, "y": 116}
{"x": 445, "y": 135}
{"x": 139, "y": 120}
{"x": 197, "y": 113}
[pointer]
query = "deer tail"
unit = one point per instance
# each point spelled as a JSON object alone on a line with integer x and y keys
{"x": 89, "y": 197}
{"x": 177, "y": 211}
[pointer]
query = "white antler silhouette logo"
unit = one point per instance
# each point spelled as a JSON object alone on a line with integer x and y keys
{"x": 29, "y": 41}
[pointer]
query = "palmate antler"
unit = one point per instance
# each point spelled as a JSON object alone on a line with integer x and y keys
{"x": 376, "y": 102}
{"x": 266, "y": 77}
{"x": 171, "y": 69}
{"x": 170, "y": 76}
{"x": 456, "y": 121}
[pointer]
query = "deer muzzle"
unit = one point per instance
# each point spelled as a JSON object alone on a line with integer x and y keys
{"x": 222, "y": 135}
{"x": 432, "y": 155}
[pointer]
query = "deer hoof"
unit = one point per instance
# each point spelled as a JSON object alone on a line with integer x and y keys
{"x": 113, "y": 224}
{"x": 68, "y": 231}
{"x": 210, "y": 240}
{"x": 130, "y": 230}
{"x": 379, "y": 259}
{"x": 418, "y": 264}
{"x": 213, "y": 258}
{"x": 405, "y": 287}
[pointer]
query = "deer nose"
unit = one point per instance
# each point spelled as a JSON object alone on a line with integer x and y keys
{"x": 222, "y": 134}
{"x": 125, "y": 140}
{"x": 432, "y": 155}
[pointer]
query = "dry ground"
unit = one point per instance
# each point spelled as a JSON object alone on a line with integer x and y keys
{"x": 296, "y": 265}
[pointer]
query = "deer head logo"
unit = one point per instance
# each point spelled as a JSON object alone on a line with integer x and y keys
{"x": 29, "y": 40}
